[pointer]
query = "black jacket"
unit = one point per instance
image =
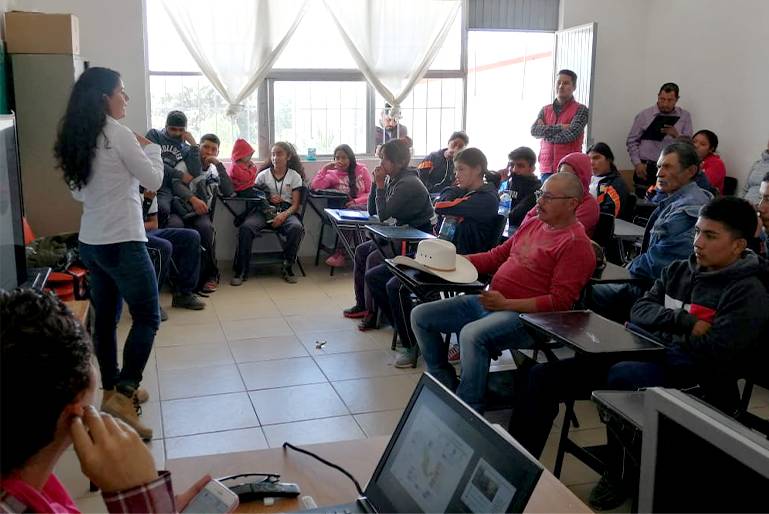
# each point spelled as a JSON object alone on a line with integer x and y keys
{"x": 405, "y": 199}
{"x": 436, "y": 171}
{"x": 476, "y": 213}
{"x": 173, "y": 151}
{"x": 734, "y": 300}
{"x": 613, "y": 194}
{"x": 522, "y": 188}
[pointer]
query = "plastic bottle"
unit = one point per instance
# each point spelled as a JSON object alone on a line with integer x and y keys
{"x": 505, "y": 204}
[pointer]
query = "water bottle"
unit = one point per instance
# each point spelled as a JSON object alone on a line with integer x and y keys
{"x": 505, "y": 204}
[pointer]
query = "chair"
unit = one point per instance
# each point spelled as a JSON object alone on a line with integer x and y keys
{"x": 604, "y": 230}
{"x": 501, "y": 224}
{"x": 730, "y": 186}
{"x": 230, "y": 202}
{"x": 628, "y": 210}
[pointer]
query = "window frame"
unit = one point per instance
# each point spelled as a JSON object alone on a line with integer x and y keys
{"x": 265, "y": 98}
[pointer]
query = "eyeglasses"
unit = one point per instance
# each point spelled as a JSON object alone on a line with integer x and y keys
{"x": 762, "y": 200}
{"x": 546, "y": 197}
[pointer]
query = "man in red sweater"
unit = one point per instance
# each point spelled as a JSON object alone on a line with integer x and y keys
{"x": 542, "y": 268}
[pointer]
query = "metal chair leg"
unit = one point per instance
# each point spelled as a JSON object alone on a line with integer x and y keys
{"x": 320, "y": 242}
{"x": 569, "y": 414}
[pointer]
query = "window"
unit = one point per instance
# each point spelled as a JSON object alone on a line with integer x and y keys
{"x": 318, "y": 97}
{"x": 509, "y": 79}
{"x": 321, "y": 115}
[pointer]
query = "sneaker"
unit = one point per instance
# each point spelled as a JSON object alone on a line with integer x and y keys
{"x": 187, "y": 301}
{"x": 163, "y": 314}
{"x": 355, "y": 312}
{"x": 288, "y": 273}
{"x": 123, "y": 408}
{"x": 210, "y": 287}
{"x": 407, "y": 359}
{"x": 140, "y": 396}
{"x": 237, "y": 280}
{"x": 337, "y": 260}
{"x": 453, "y": 353}
{"x": 607, "y": 494}
{"x": 367, "y": 323}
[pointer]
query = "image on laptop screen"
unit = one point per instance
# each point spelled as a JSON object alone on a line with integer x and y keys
{"x": 445, "y": 458}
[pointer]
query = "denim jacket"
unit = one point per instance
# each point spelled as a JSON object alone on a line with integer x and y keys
{"x": 669, "y": 234}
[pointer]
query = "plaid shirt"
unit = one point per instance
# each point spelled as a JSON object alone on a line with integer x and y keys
{"x": 155, "y": 496}
{"x": 556, "y": 133}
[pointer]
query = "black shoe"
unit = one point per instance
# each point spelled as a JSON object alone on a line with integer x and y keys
{"x": 288, "y": 273}
{"x": 163, "y": 315}
{"x": 187, "y": 301}
{"x": 607, "y": 494}
{"x": 367, "y": 323}
{"x": 236, "y": 280}
{"x": 354, "y": 312}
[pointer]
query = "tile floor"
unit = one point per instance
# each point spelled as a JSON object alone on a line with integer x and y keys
{"x": 245, "y": 374}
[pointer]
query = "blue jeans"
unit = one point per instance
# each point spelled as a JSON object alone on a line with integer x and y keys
{"x": 482, "y": 335}
{"x": 614, "y": 301}
{"x": 117, "y": 271}
{"x": 183, "y": 245}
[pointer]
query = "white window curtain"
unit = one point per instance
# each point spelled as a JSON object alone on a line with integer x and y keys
{"x": 236, "y": 42}
{"x": 393, "y": 42}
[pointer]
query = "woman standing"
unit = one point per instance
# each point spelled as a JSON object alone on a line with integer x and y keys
{"x": 104, "y": 163}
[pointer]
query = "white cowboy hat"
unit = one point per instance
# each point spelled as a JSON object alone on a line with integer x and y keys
{"x": 439, "y": 257}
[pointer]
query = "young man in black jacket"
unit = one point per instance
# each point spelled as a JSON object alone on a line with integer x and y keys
{"x": 520, "y": 183}
{"x": 436, "y": 171}
{"x": 710, "y": 311}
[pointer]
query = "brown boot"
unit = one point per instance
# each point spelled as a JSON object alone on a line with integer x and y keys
{"x": 123, "y": 408}
{"x": 140, "y": 396}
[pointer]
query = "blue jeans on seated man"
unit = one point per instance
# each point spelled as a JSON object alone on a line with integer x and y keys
{"x": 482, "y": 335}
{"x": 614, "y": 301}
{"x": 117, "y": 271}
{"x": 183, "y": 246}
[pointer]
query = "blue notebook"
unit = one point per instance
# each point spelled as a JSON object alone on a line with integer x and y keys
{"x": 351, "y": 214}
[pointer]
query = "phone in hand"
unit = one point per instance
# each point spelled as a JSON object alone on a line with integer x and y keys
{"x": 214, "y": 497}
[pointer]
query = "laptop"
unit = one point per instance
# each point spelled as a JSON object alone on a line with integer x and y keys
{"x": 445, "y": 457}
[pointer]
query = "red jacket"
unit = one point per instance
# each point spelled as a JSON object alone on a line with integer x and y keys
{"x": 551, "y": 153}
{"x": 714, "y": 169}
{"x": 243, "y": 175}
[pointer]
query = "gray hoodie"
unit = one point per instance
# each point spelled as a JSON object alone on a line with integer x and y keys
{"x": 757, "y": 172}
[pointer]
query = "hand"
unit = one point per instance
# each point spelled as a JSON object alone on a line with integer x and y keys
{"x": 700, "y": 328}
{"x": 493, "y": 301}
{"x": 379, "y": 176}
{"x": 540, "y": 121}
{"x": 188, "y": 138}
{"x": 670, "y": 130}
{"x": 186, "y": 177}
{"x": 640, "y": 170}
{"x": 208, "y": 161}
{"x": 143, "y": 141}
{"x": 350, "y": 205}
{"x": 149, "y": 195}
{"x": 198, "y": 205}
{"x": 111, "y": 454}
{"x": 182, "y": 500}
{"x": 276, "y": 199}
{"x": 565, "y": 126}
{"x": 280, "y": 219}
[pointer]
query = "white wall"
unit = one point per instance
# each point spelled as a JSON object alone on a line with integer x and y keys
{"x": 716, "y": 51}
{"x": 111, "y": 35}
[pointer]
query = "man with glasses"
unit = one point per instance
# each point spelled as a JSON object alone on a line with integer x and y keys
{"x": 542, "y": 268}
{"x": 519, "y": 181}
{"x": 668, "y": 236}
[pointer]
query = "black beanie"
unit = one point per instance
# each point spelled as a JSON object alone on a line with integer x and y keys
{"x": 176, "y": 119}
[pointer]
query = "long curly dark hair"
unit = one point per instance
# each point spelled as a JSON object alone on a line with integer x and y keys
{"x": 82, "y": 123}
{"x": 293, "y": 161}
{"x": 351, "y": 178}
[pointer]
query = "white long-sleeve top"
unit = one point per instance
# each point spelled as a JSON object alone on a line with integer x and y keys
{"x": 112, "y": 209}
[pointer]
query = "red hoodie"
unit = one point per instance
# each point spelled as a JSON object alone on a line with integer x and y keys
{"x": 588, "y": 211}
{"x": 243, "y": 175}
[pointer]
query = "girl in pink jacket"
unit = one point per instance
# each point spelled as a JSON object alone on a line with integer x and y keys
{"x": 346, "y": 175}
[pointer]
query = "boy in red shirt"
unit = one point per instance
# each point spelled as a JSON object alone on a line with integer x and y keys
{"x": 543, "y": 267}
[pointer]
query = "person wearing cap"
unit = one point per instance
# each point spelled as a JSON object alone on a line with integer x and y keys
{"x": 542, "y": 268}
{"x": 181, "y": 163}
{"x": 390, "y": 128}
{"x": 436, "y": 171}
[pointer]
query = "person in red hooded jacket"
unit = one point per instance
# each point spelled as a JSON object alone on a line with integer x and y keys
{"x": 588, "y": 211}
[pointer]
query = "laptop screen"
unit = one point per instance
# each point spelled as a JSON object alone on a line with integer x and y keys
{"x": 443, "y": 457}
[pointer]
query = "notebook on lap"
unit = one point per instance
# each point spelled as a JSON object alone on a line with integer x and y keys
{"x": 444, "y": 457}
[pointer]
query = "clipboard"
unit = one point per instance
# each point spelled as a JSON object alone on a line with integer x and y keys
{"x": 654, "y": 131}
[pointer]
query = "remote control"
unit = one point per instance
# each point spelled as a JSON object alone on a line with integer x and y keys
{"x": 259, "y": 490}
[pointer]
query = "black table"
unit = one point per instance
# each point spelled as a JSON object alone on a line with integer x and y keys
{"x": 626, "y": 407}
{"x": 392, "y": 234}
{"x": 589, "y": 333}
{"x": 425, "y": 285}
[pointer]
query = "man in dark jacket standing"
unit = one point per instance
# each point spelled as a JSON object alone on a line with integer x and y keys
{"x": 181, "y": 163}
{"x": 436, "y": 171}
{"x": 710, "y": 311}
